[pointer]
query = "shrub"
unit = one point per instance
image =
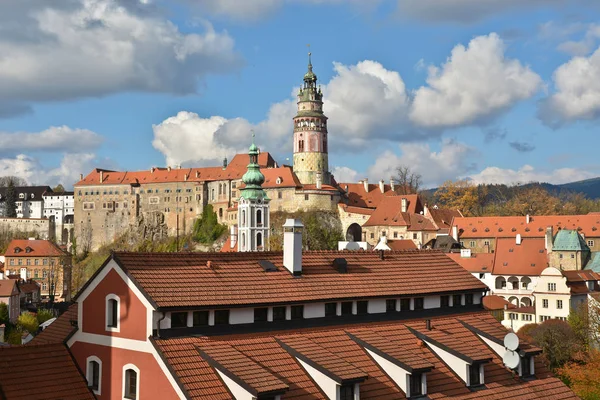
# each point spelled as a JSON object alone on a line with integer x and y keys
{"x": 28, "y": 322}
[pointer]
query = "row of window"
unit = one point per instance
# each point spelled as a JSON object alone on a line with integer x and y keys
{"x": 131, "y": 376}
{"x": 547, "y": 317}
{"x": 28, "y": 261}
{"x": 524, "y": 317}
{"x": 559, "y": 304}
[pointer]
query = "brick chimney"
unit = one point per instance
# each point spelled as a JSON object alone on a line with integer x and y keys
{"x": 292, "y": 246}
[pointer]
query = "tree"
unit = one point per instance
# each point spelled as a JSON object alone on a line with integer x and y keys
{"x": 207, "y": 228}
{"x": 28, "y": 322}
{"x": 585, "y": 322}
{"x": 557, "y": 340}
{"x": 44, "y": 315}
{"x": 16, "y": 181}
{"x": 321, "y": 231}
{"x": 583, "y": 375}
{"x": 4, "y": 315}
{"x": 10, "y": 202}
{"x": 532, "y": 200}
{"x": 409, "y": 182}
{"x": 59, "y": 188}
{"x": 462, "y": 195}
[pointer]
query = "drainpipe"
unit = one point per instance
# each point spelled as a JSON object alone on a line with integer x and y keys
{"x": 164, "y": 315}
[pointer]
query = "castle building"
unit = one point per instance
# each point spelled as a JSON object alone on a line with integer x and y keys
{"x": 253, "y": 207}
{"x": 311, "y": 163}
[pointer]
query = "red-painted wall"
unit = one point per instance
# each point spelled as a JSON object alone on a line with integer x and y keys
{"x": 132, "y": 311}
{"x": 152, "y": 382}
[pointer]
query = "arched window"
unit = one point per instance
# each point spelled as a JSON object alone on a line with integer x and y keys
{"x": 258, "y": 217}
{"x": 212, "y": 193}
{"x": 220, "y": 189}
{"x": 301, "y": 146}
{"x": 243, "y": 217}
{"x": 243, "y": 242}
{"x": 131, "y": 386}
{"x": 220, "y": 213}
{"x": 259, "y": 241}
{"x": 94, "y": 374}
{"x": 112, "y": 313}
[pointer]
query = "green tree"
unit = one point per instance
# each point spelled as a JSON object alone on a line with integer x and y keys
{"x": 11, "y": 201}
{"x": 28, "y": 322}
{"x": 320, "y": 235}
{"x": 59, "y": 188}
{"x": 557, "y": 340}
{"x": 207, "y": 228}
{"x": 14, "y": 336}
{"x": 4, "y": 316}
{"x": 44, "y": 315}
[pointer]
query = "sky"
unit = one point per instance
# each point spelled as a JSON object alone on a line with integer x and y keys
{"x": 496, "y": 91}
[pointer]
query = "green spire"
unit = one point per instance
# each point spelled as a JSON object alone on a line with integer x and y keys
{"x": 253, "y": 178}
{"x": 310, "y": 78}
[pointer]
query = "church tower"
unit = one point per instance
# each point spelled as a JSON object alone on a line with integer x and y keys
{"x": 253, "y": 208}
{"x": 311, "y": 162}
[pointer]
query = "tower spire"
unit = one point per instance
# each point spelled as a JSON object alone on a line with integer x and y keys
{"x": 309, "y": 59}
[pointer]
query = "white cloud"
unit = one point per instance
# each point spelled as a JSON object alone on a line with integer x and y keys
{"x": 577, "y": 95}
{"x": 527, "y": 174}
{"x": 435, "y": 167}
{"x": 584, "y": 46}
{"x": 474, "y": 85}
{"x": 345, "y": 174}
{"x": 79, "y": 48}
{"x": 61, "y": 139}
{"x": 465, "y": 11}
{"x": 67, "y": 173}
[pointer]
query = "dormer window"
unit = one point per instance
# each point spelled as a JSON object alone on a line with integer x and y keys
{"x": 416, "y": 385}
{"x": 17, "y": 250}
{"x": 279, "y": 180}
{"x": 526, "y": 367}
{"x": 475, "y": 374}
{"x": 347, "y": 392}
{"x": 27, "y": 249}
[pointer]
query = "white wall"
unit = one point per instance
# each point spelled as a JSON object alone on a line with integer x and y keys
{"x": 239, "y": 393}
{"x": 314, "y": 310}
{"x": 399, "y": 375}
{"x": 241, "y": 316}
{"x": 431, "y": 302}
{"x": 458, "y": 365}
{"x": 376, "y": 306}
{"x": 327, "y": 385}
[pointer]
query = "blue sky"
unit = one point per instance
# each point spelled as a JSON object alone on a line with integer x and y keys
{"x": 488, "y": 90}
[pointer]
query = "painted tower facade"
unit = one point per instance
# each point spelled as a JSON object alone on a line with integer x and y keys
{"x": 253, "y": 208}
{"x": 311, "y": 162}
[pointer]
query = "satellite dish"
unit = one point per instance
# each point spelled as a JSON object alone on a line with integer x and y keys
{"x": 511, "y": 359}
{"x": 511, "y": 341}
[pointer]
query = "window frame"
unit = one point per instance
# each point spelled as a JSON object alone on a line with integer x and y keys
{"x": 294, "y": 309}
{"x": 344, "y": 308}
{"x": 258, "y": 314}
{"x": 279, "y": 308}
{"x": 390, "y": 306}
{"x": 180, "y": 313}
{"x": 359, "y": 307}
{"x": 405, "y": 301}
{"x": 421, "y": 300}
{"x": 132, "y": 367}
{"x": 223, "y": 311}
{"x": 446, "y": 303}
{"x": 89, "y": 374}
{"x": 200, "y": 312}
{"x": 347, "y": 396}
{"x": 477, "y": 367}
{"x": 545, "y": 303}
{"x": 109, "y": 312}
{"x": 413, "y": 378}
{"x": 330, "y": 309}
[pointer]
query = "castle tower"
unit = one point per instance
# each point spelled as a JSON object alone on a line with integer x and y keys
{"x": 253, "y": 208}
{"x": 310, "y": 133}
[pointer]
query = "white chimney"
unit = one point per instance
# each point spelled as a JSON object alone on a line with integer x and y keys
{"x": 382, "y": 245}
{"x": 366, "y": 184}
{"x": 319, "y": 180}
{"x": 382, "y": 186}
{"x": 518, "y": 240}
{"x": 455, "y": 232}
{"x": 426, "y": 210}
{"x": 527, "y": 219}
{"x": 292, "y": 245}
{"x": 392, "y": 184}
{"x": 465, "y": 253}
{"x": 549, "y": 237}
{"x": 23, "y": 274}
{"x": 233, "y": 235}
{"x": 101, "y": 176}
{"x": 404, "y": 204}
{"x": 80, "y": 177}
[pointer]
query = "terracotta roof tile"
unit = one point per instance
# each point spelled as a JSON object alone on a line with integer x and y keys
{"x": 443, "y": 217}
{"x": 182, "y": 280}
{"x": 7, "y": 287}
{"x": 494, "y": 302}
{"x": 489, "y": 227}
{"x": 38, "y": 248}
{"x": 478, "y": 262}
{"x": 405, "y": 244}
{"x": 358, "y": 197}
{"x": 337, "y": 348}
{"x": 41, "y": 372}
{"x": 527, "y": 258}
{"x": 356, "y": 210}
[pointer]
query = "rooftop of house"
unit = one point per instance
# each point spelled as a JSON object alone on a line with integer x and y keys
{"x": 526, "y": 259}
{"x": 29, "y": 193}
{"x": 445, "y": 243}
{"x": 41, "y": 372}
{"x": 594, "y": 263}
{"x": 443, "y": 217}
{"x": 477, "y": 262}
{"x": 238, "y": 279}
{"x": 494, "y": 302}
{"x": 359, "y": 197}
{"x": 7, "y": 287}
{"x": 281, "y": 177}
{"x": 484, "y": 227}
{"x": 234, "y": 170}
{"x": 267, "y": 363}
{"x": 405, "y": 244}
{"x": 33, "y": 248}
{"x": 356, "y": 210}
{"x": 569, "y": 240}
{"x": 29, "y": 287}
{"x": 389, "y": 213}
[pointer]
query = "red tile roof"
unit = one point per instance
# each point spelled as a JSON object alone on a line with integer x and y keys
{"x": 285, "y": 174}
{"x": 343, "y": 349}
{"x": 227, "y": 246}
{"x": 7, "y": 287}
{"x": 489, "y": 227}
{"x": 478, "y": 262}
{"x": 494, "y": 302}
{"x": 29, "y": 287}
{"x": 358, "y": 197}
{"x": 38, "y": 248}
{"x": 443, "y": 217}
{"x": 581, "y": 276}
{"x": 355, "y": 210}
{"x": 235, "y": 170}
{"x": 529, "y": 258}
{"x": 238, "y": 279}
{"x": 405, "y": 244}
{"x": 60, "y": 330}
{"x": 41, "y": 372}
{"x": 389, "y": 213}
